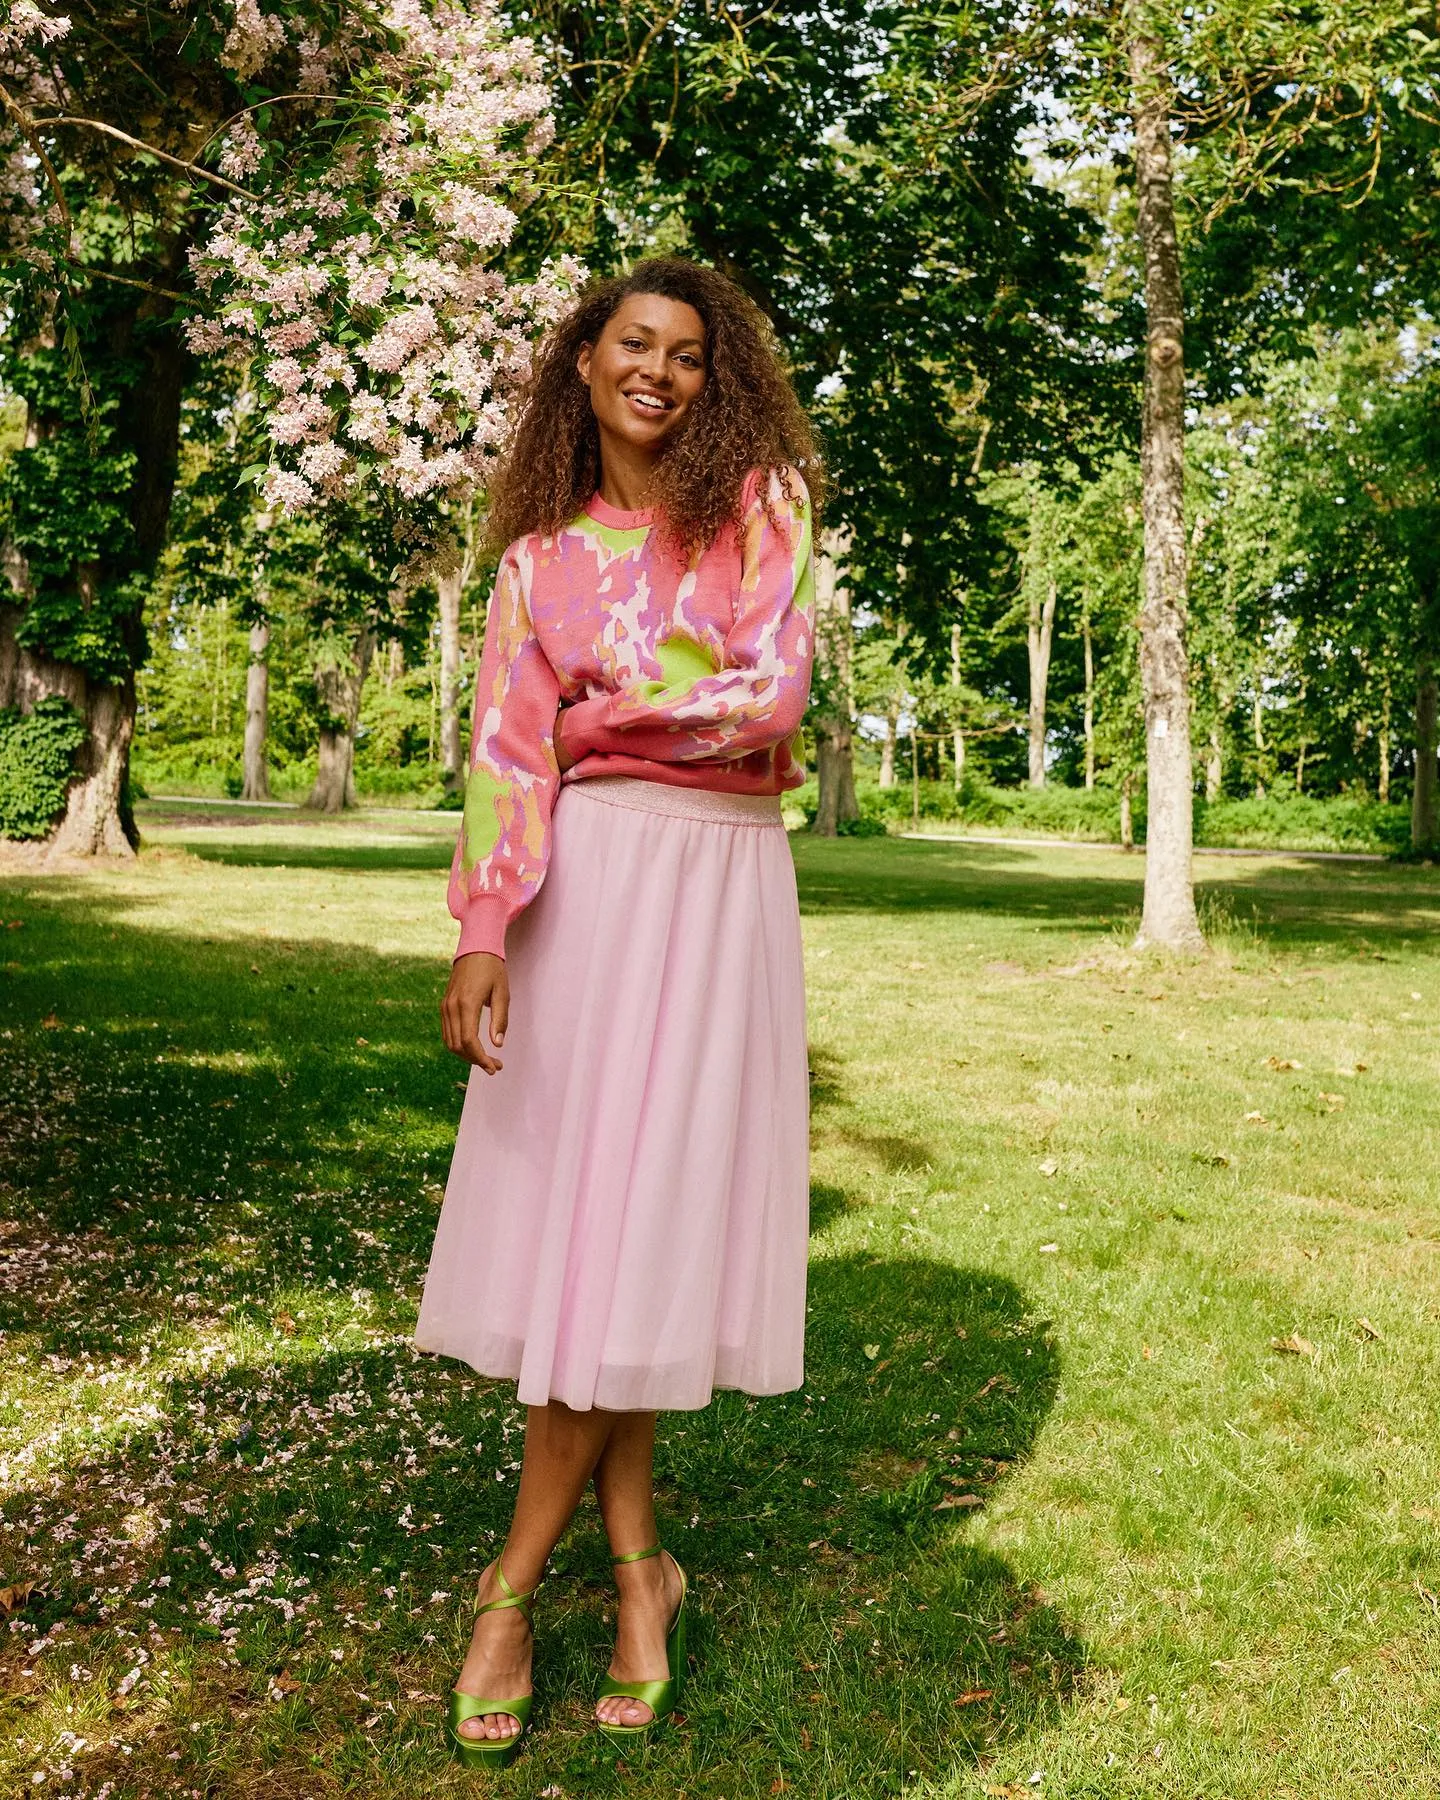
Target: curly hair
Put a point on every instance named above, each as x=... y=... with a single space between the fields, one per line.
x=745 y=417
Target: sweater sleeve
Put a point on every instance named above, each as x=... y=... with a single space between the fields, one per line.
x=756 y=696
x=510 y=793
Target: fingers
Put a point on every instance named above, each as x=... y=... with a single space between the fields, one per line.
x=475 y=982
x=499 y=1007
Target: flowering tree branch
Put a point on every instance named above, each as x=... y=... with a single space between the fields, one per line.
x=175 y=162
x=32 y=138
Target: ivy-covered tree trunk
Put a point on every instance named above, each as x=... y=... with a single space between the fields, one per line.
x=89 y=503
x=339 y=684
x=833 y=719
x=1168 y=920
x=257 y=716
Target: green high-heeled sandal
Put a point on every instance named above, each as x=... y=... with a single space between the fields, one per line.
x=662 y=1697
x=481 y=1753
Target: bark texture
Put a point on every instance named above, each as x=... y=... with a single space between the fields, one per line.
x=257 y=716
x=834 y=717
x=1039 y=636
x=1089 y=640
x=1168 y=920
x=958 y=736
x=339 y=685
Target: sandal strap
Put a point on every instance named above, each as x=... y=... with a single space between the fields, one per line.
x=511 y=1598
x=632 y=1556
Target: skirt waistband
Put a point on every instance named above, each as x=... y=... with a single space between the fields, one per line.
x=703 y=804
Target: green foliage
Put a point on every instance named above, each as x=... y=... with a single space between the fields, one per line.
x=37 y=751
x=67 y=502
x=1303 y=822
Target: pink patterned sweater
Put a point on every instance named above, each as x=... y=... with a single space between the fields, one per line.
x=695 y=675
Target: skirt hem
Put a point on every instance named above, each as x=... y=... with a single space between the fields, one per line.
x=513 y=1374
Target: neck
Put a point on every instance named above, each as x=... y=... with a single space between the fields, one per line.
x=625 y=473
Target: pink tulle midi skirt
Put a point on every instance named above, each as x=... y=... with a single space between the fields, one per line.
x=626 y=1220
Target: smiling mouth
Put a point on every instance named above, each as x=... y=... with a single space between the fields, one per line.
x=654 y=404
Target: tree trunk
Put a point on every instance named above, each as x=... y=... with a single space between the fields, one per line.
x=958 y=740
x=257 y=716
x=1039 y=634
x=450 y=587
x=887 y=748
x=834 y=724
x=1383 y=785
x=1257 y=720
x=1089 y=640
x=1127 y=812
x=914 y=777
x=339 y=687
x=97 y=820
x=1214 y=763
x=1169 y=919
x=1425 y=800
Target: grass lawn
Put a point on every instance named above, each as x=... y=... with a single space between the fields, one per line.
x=1117 y=1473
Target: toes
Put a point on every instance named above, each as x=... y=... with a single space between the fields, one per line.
x=489 y=1727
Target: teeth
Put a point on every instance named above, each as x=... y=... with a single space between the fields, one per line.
x=650 y=402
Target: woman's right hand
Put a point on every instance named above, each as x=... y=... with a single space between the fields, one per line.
x=477 y=981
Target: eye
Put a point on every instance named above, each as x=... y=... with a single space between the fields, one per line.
x=632 y=343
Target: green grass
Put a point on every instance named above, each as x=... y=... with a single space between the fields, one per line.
x=1064 y=1202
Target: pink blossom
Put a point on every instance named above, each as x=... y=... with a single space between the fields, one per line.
x=294 y=334
x=291 y=493
x=390 y=354
x=399 y=338
x=320 y=460
x=285 y=374
x=252 y=40
x=368 y=287
x=243 y=152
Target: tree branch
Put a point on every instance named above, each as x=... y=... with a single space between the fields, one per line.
x=175 y=162
x=31 y=136
x=146 y=287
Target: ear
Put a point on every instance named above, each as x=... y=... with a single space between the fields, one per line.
x=582 y=362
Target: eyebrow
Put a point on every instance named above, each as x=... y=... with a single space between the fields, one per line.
x=679 y=344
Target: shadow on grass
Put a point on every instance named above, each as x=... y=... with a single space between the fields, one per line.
x=377 y=859
x=1293 y=907
x=307 y=1498
x=231 y=1174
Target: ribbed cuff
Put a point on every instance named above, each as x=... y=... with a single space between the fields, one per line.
x=483 y=926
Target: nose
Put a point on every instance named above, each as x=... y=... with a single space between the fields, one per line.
x=655 y=368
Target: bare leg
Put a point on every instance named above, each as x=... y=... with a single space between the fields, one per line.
x=650 y=1590
x=561 y=1450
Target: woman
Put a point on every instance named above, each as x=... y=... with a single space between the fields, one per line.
x=625 y=1225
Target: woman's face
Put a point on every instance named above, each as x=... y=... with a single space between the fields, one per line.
x=645 y=371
